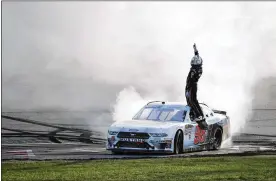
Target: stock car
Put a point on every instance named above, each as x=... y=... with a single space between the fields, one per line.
x=167 y=127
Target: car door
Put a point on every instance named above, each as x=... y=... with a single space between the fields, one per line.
x=194 y=136
x=189 y=132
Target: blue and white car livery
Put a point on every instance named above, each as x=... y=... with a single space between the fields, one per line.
x=167 y=127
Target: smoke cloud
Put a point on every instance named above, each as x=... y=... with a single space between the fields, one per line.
x=80 y=55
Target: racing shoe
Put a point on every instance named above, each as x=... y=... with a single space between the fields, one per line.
x=201 y=123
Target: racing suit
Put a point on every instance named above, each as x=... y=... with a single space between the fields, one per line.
x=191 y=86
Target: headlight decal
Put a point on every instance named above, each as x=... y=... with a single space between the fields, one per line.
x=158 y=134
x=112 y=132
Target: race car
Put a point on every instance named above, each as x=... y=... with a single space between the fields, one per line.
x=167 y=127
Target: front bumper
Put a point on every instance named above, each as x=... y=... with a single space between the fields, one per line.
x=128 y=150
x=150 y=144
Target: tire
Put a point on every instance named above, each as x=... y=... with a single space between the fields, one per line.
x=216 y=139
x=178 y=143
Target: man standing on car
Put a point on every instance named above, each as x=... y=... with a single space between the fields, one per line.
x=191 y=89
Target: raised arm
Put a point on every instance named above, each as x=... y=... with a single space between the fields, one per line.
x=196 y=60
x=195 y=50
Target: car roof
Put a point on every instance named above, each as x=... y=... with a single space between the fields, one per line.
x=167 y=105
x=171 y=104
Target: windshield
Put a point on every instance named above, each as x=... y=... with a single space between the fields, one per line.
x=161 y=114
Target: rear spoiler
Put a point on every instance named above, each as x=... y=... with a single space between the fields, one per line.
x=219 y=112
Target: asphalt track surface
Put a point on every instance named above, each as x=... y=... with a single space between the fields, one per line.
x=48 y=151
x=243 y=145
x=26 y=147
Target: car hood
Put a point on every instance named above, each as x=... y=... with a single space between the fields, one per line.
x=144 y=124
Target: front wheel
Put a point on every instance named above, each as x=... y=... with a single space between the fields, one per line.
x=178 y=142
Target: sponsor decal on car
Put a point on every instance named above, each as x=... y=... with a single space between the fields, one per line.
x=200 y=136
x=132 y=139
x=132 y=134
x=161 y=141
x=193 y=149
x=188 y=126
x=188 y=129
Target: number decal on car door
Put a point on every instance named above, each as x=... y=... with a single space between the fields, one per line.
x=199 y=135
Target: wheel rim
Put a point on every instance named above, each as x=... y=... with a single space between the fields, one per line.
x=217 y=140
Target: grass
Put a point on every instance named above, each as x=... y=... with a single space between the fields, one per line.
x=218 y=168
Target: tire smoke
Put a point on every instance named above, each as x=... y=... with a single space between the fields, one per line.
x=78 y=55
